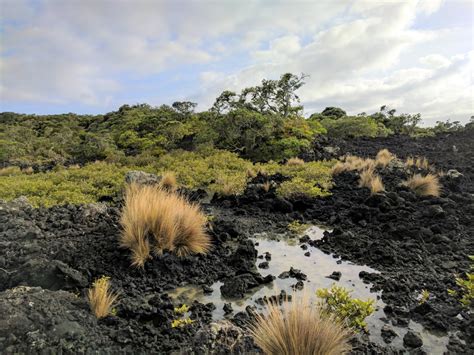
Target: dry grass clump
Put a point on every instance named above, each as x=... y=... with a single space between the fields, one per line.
x=372 y=181
x=383 y=157
x=266 y=186
x=28 y=171
x=427 y=185
x=168 y=181
x=351 y=163
x=101 y=299
x=419 y=162
x=154 y=216
x=295 y=162
x=299 y=327
x=251 y=173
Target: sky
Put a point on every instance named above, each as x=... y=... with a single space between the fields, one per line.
x=92 y=56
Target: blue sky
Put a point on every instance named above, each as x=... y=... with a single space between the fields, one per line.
x=92 y=56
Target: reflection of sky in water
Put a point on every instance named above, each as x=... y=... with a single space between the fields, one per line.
x=287 y=253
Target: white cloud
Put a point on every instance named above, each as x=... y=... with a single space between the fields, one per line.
x=359 y=54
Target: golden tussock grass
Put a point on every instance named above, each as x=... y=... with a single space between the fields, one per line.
x=295 y=162
x=101 y=299
x=155 y=218
x=251 y=173
x=427 y=185
x=168 y=181
x=299 y=327
x=352 y=163
x=28 y=171
x=371 y=180
x=419 y=162
x=266 y=186
x=383 y=158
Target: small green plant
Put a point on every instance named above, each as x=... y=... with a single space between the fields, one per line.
x=466 y=295
x=183 y=319
x=352 y=311
x=181 y=322
x=297 y=227
x=424 y=296
x=181 y=310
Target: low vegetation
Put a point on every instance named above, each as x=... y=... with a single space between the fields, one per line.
x=427 y=185
x=155 y=218
x=295 y=161
x=383 y=158
x=419 y=162
x=466 y=286
x=298 y=327
x=371 y=180
x=352 y=311
x=101 y=298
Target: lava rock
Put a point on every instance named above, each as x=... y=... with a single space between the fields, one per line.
x=263 y=265
x=388 y=334
x=141 y=177
x=412 y=339
x=336 y=275
x=227 y=308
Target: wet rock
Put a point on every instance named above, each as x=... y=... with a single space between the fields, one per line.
x=284 y=275
x=268 y=256
x=388 y=334
x=263 y=265
x=307 y=253
x=295 y=273
x=336 y=275
x=237 y=286
x=412 y=339
x=305 y=239
x=141 y=177
x=207 y=289
x=244 y=257
x=298 y=286
x=274 y=299
x=227 y=308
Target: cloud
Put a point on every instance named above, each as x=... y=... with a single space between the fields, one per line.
x=359 y=54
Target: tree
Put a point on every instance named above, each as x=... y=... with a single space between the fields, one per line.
x=184 y=108
x=334 y=112
x=271 y=97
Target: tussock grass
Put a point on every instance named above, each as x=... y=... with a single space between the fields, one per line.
x=427 y=185
x=28 y=171
x=168 y=181
x=266 y=186
x=352 y=163
x=383 y=158
x=295 y=162
x=299 y=327
x=371 y=180
x=154 y=216
x=419 y=162
x=101 y=299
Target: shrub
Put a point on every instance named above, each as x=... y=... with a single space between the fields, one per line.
x=101 y=299
x=299 y=187
x=84 y=185
x=10 y=170
x=174 y=223
x=427 y=185
x=295 y=161
x=337 y=300
x=299 y=328
x=354 y=127
x=383 y=158
x=371 y=180
x=297 y=227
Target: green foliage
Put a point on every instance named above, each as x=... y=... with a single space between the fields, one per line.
x=275 y=97
x=358 y=126
x=333 y=112
x=404 y=123
x=353 y=311
x=84 y=185
x=466 y=294
x=424 y=296
x=313 y=179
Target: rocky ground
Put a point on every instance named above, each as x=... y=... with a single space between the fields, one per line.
x=49 y=257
